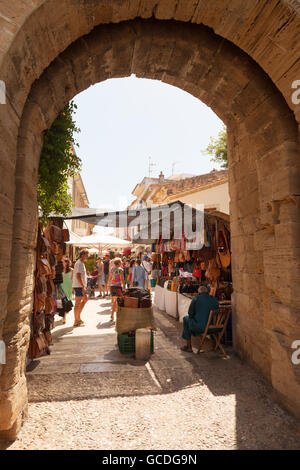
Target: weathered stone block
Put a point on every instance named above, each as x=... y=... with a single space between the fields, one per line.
x=12 y=403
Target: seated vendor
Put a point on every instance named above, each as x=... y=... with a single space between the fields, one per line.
x=195 y=322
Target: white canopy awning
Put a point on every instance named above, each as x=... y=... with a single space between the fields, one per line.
x=74 y=238
x=100 y=241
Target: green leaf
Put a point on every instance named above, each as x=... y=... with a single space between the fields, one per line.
x=217 y=148
x=58 y=163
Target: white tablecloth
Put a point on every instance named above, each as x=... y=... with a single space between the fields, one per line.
x=159 y=297
x=183 y=306
x=171 y=303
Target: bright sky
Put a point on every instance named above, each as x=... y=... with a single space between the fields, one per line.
x=124 y=121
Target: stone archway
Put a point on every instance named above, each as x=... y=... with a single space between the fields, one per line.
x=264 y=169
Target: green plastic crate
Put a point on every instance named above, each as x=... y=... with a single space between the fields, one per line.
x=127 y=343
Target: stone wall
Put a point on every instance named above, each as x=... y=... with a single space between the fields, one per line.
x=263 y=135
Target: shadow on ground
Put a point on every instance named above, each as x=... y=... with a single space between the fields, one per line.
x=101 y=372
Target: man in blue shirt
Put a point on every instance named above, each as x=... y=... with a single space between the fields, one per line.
x=195 y=322
x=138 y=275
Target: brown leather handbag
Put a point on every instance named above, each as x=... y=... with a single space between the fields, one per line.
x=56 y=234
x=212 y=272
x=50 y=287
x=48 y=337
x=43 y=245
x=224 y=255
x=37 y=346
x=49 y=305
x=66 y=235
x=39 y=286
x=60 y=254
x=54 y=247
x=40 y=300
x=52 y=259
x=44 y=267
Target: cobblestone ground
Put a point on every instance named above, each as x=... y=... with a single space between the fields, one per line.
x=85 y=395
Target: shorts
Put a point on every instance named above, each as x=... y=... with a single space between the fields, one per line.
x=78 y=291
x=101 y=279
x=116 y=291
x=106 y=276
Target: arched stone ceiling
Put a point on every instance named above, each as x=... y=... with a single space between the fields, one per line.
x=34 y=32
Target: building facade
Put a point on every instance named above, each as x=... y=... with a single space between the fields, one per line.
x=79 y=199
x=210 y=190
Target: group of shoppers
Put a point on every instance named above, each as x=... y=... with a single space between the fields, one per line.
x=116 y=274
x=136 y=272
x=112 y=274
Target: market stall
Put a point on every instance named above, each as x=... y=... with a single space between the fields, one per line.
x=182 y=271
x=206 y=259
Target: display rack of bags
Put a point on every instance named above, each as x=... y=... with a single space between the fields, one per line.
x=48 y=274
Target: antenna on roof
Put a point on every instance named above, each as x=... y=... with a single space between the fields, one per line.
x=173 y=167
x=151 y=165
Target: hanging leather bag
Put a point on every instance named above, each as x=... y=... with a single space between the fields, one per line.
x=43 y=245
x=56 y=234
x=66 y=235
x=213 y=272
x=52 y=259
x=54 y=247
x=37 y=346
x=224 y=255
x=44 y=267
x=49 y=305
x=197 y=271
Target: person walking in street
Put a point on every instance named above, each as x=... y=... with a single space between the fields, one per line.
x=131 y=268
x=106 y=274
x=147 y=267
x=80 y=285
x=101 y=278
x=67 y=284
x=126 y=273
x=116 y=282
x=139 y=275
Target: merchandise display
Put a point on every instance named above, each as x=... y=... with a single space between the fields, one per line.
x=48 y=295
x=183 y=271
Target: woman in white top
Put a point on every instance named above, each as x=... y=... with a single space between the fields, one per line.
x=146 y=264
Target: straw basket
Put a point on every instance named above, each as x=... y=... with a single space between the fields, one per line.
x=131 y=319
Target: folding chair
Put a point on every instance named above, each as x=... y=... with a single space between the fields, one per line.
x=215 y=327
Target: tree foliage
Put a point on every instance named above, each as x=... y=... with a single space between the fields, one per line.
x=217 y=148
x=58 y=163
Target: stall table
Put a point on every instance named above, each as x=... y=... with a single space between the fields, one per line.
x=171 y=302
x=184 y=301
x=159 y=297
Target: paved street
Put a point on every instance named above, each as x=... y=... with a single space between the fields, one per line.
x=86 y=395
